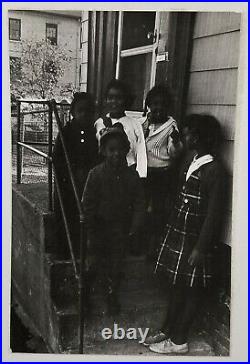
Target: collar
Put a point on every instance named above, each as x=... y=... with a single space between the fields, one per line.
x=197 y=163
x=167 y=125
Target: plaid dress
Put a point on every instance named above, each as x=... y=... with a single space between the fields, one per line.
x=182 y=234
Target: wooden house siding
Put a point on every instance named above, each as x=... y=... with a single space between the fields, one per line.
x=213 y=81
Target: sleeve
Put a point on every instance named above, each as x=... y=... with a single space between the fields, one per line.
x=139 y=207
x=215 y=187
x=99 y=125
x=58 y=158
x=90 y=201
x=175 y=145
x=141 y=153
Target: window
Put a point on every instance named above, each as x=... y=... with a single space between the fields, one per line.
x=138 y=35
x=15 y=68
x=14 y=29
x=51 y=33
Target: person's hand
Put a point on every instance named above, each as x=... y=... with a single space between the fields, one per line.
x=195 y=257
x=175 y=135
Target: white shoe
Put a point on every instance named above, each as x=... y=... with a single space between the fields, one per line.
x=155 y=338
x=168 y=347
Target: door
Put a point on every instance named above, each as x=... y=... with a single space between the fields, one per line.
x=138 y=35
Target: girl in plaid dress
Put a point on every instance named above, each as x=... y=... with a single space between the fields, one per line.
x=185 y=257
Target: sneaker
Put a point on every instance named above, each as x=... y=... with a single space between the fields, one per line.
x=156 y=338
x=168 y=347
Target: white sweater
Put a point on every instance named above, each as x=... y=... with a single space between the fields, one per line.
x=137 y=154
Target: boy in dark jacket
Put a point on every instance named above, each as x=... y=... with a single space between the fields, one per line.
x=114 y=207
x=82 y=148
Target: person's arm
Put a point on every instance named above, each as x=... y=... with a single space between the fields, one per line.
x=58 y=158
x=99 y=125
x=175 y=145
x=141 y=152
x=215 y=186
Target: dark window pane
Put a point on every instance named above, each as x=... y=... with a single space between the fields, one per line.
x=138 y=29
x=51 y=33
x=14 y=29
x=136 y=71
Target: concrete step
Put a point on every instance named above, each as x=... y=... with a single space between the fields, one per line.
x=137 y=277
x=139 y=296
x=68 y=320
x=198 y=346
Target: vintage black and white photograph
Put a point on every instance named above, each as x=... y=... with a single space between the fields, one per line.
x=123 y=139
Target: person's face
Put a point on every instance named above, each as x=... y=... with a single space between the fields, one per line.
x=114 y=152
x=115 y=101
x=158 y=109
x=82 y=114
x=189 y=139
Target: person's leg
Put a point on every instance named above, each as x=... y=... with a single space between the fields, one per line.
x=175 y=306
x=60 y=248
x=115 y=254
x=187 y=315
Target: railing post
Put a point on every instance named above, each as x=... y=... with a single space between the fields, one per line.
x=82 y=285
x=19 y=148
x=50 y=171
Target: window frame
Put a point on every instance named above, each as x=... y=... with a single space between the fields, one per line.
x=54 y=26
x=152 y=48
x=19 y=21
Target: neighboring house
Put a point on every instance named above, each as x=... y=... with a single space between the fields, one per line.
x=60 y=27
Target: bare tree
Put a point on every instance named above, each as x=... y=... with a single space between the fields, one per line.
x=39 y=71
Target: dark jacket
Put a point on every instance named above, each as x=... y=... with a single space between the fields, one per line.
x=83 y=155
x=113 y=197
x=214 y=190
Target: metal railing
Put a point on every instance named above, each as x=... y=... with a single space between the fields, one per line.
x=79 y=273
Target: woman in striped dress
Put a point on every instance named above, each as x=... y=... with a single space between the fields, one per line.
x=186 y=254
x=163 y=148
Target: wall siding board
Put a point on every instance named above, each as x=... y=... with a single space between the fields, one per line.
x=225 y=114
x=215 y=23
x=213 y=87
x=220 y=51
x=227 y=228
x=227 y=155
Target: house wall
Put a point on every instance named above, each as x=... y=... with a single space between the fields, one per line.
x=33 y=26
x=213 y=81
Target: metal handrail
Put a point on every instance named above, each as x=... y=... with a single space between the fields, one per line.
x=66 y=154
x=37 y=151
x=82 y=285
x=66 y=226
x=52 y=105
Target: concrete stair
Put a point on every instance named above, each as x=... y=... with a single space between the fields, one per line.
x=143 y=305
